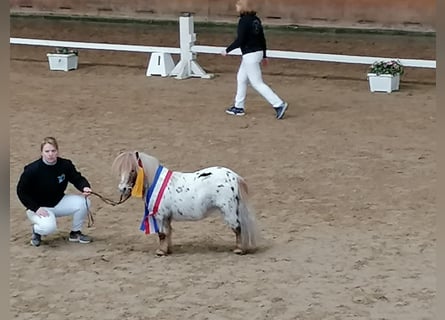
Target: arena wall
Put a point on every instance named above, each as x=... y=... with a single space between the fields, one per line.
x=380 y=14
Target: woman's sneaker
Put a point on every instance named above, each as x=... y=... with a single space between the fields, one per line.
x=235 y=111
x=36 y=239
x=77 y=236
x=281 y=110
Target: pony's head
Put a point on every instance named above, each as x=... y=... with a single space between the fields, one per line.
x=125 y=166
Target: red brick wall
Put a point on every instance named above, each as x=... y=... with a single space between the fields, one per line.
x=400 y=14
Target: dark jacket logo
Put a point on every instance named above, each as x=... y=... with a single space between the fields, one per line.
x=256 y=27
x=61 y=178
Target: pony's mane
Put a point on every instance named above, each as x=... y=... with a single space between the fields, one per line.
x=124 y=162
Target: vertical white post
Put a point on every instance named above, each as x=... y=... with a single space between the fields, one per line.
x=187 y=66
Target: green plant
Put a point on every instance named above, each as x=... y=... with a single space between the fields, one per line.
x=65 y=50
x=392 y=67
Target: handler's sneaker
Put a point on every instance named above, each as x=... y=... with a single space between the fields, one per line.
x=35 y=239
x=235 y=111
x=77 y=236
x=281 y=110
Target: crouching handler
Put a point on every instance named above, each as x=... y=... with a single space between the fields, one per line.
x=41 y=189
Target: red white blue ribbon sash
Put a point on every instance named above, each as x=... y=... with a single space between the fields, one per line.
x=153 y=200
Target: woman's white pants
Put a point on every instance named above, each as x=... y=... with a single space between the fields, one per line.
x=70 y=205
x=250 y=71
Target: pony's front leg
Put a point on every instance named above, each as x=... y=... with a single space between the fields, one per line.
x=163 y=244
x=164 y=238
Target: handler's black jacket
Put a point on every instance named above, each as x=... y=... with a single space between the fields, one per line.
x=42 y=185
x=250 y=35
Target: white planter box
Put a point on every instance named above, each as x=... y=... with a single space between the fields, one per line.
x=383 y=82
x=60 y=61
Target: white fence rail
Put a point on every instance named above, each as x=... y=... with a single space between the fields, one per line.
x=324 y=57
x=91 y=45
x=216 y=50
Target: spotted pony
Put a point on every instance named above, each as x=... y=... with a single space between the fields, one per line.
x=188 y=196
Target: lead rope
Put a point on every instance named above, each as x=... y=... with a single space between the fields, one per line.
x=104 y=199
x=108 y=200
x=90 y=214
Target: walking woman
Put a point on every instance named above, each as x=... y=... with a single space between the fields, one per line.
x=252 y=43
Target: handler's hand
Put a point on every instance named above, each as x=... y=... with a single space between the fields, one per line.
x=265 y=62
x=86 y=191
x=42 y=212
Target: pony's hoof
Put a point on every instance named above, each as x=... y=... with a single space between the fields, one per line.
x=239 y=251
x=160 y=253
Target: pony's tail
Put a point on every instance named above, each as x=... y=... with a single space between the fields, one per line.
x=249 y=229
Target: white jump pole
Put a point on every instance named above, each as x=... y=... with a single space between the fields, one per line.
x=188 y=66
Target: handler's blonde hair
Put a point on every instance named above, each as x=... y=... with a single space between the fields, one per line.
x=245 y=6
x=49 y=140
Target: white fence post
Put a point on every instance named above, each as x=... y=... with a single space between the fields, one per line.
x=160 y=63
x=187 y=66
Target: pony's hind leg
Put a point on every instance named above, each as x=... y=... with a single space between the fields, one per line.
x=238 y=249
x=231 y=218
x=229 y=205
x=169 y=236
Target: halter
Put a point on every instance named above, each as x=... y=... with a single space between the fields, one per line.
x=132 y=179
x=138 y=159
